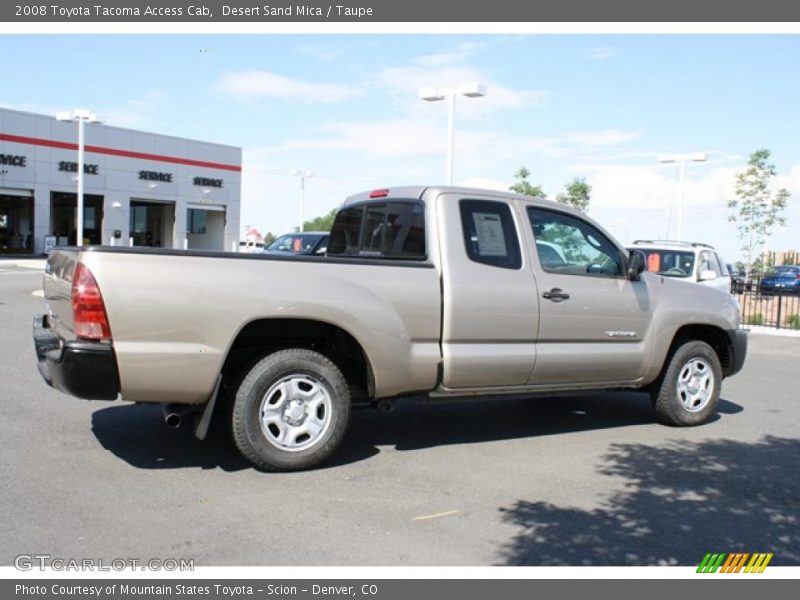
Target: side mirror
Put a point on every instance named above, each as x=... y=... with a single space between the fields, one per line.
x=708 y=275
x=321 y=251
x=636 y=264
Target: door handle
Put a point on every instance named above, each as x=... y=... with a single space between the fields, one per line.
x=556 y=295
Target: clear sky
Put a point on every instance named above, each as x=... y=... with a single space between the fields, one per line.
x=345 y=107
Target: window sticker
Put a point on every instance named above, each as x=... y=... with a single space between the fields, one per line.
x=489 y=229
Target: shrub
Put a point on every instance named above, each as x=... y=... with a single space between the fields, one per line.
x=793 y=321
x=755 y=319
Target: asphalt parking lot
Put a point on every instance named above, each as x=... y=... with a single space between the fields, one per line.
x=577 y=481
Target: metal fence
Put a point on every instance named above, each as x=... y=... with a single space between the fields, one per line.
x=778 y=310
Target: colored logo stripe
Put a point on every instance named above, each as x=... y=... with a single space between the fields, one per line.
x=758 y=563
x=711 y=562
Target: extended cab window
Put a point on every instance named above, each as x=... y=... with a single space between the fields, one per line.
x=389 y=230
x=489 y=233
x=566 y=244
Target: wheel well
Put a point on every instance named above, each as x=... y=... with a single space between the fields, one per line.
x=711 y=335
x=265 y=336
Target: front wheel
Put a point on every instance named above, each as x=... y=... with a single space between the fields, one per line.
x=689 y=390
x=291 y=410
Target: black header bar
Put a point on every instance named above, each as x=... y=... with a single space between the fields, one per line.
x=374 y=11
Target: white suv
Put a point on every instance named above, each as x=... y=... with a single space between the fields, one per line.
x=686 y=260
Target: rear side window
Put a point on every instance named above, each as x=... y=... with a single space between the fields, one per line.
x=346 y=232
x=490 y=236
x=390 y=230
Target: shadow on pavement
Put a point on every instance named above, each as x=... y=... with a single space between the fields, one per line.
x=680 y=501
x=137 y=434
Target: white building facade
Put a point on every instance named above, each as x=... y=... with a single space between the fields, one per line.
x=141 y=189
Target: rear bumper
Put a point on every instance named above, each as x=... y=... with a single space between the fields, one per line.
x=738 y=345
x=79 y=368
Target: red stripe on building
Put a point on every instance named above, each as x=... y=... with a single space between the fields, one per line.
x=21 y=139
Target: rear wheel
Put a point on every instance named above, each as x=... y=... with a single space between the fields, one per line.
x=688 y=392
x=291 y=410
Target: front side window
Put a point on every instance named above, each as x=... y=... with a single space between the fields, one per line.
x=490 y=236
x=669 y=263
x=709 y=262
x=568 y=245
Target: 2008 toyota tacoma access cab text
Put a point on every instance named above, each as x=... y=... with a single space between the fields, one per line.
x=437 y=290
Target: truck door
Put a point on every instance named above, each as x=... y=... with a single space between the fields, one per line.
x=593 y=319
x=490 y=303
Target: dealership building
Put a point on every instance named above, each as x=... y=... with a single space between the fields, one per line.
x=141 y=189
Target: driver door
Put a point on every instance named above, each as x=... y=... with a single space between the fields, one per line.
x=593 y=319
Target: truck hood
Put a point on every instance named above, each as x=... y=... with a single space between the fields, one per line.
x=705 y=304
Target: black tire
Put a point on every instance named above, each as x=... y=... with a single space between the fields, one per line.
x=265 y=390
x=670 y=398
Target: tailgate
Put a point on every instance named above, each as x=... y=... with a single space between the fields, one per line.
x=58 y=290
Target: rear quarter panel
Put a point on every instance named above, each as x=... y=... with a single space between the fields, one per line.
x=174 y=317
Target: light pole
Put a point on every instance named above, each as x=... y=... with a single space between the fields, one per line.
x=681 y=159
x=470 y=90
x=81 y=116
x=302 y=175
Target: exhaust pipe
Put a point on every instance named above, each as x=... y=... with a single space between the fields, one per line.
x=174 y=414
x=384 y=406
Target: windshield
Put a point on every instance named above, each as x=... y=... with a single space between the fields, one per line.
x=787 y=271
x=670 y=263
x=294 y=242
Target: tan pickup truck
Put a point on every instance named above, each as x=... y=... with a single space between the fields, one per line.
x=437 y=290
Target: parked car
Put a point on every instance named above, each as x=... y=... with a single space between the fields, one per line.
x=784 y=279
x=691 y=261
x=443 y=291
x=308 y=242
x=740 y=281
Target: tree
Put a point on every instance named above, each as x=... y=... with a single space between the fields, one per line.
x=269 y=237
x=756 y=208
x=578 y=194
x=322 y=223
x=523 y=186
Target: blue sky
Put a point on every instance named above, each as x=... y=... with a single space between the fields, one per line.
x=345 y=107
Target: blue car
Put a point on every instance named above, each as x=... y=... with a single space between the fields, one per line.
x=784 y=280
x=308 y=242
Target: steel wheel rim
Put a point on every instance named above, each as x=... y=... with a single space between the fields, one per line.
x=695 y=384
x=296 y=412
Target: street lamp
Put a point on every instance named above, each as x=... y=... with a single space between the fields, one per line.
x=470 y=90
x=681 y=159
x=80 y=116
x=303 y=175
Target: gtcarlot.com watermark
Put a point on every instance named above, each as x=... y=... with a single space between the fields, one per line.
x=43 y=562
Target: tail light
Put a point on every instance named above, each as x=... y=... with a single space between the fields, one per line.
x=88 y=310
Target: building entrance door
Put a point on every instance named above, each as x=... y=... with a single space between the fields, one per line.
x=16 y=222
x=152 y=223
x=63 y=218
x=205 y=227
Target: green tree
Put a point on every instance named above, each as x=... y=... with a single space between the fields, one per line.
x=757 y=208
x=523 y=186
x=321 y=223
x=269 y=237
x=578 y=194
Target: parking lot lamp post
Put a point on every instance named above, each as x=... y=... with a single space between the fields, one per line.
x=81 y=116
x=681 y=159
x=302 y=175
x=470 y=90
